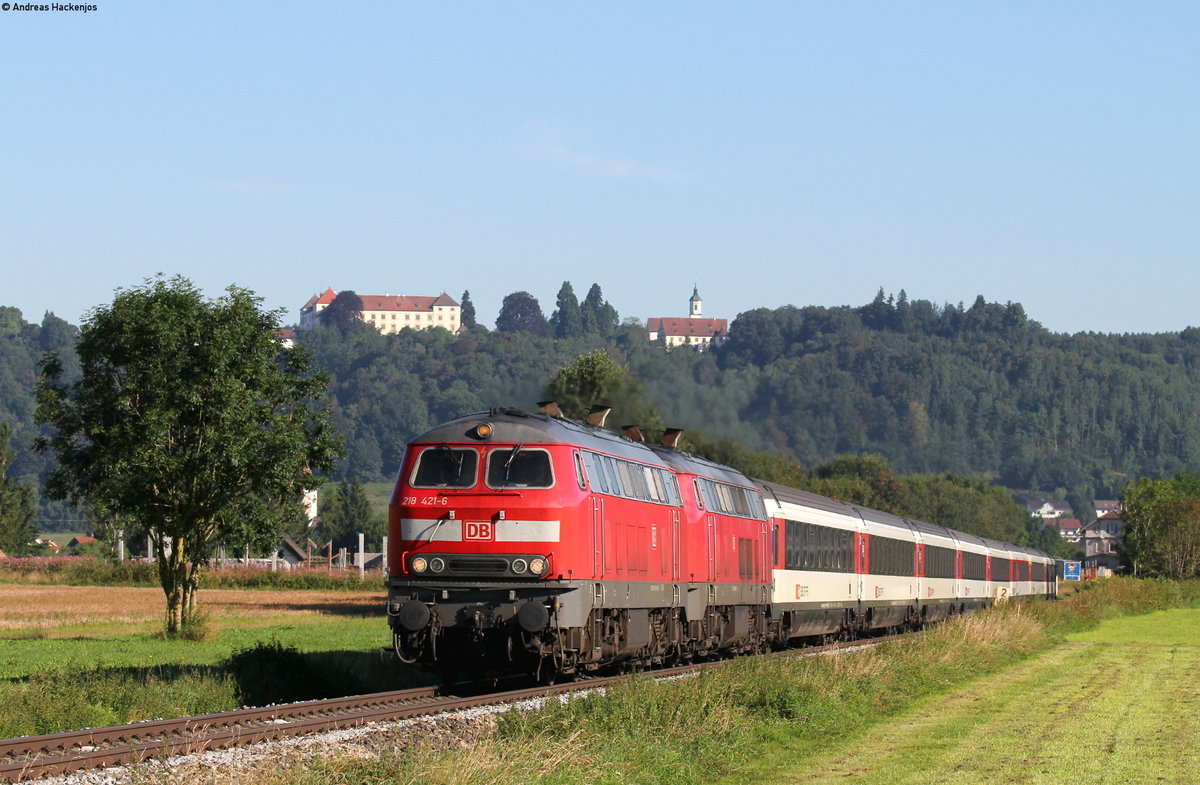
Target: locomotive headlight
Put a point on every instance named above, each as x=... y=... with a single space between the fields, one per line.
x=418 y=564
x=483 y=430
x=519 y=566
x=437 y=565
x=537 y=565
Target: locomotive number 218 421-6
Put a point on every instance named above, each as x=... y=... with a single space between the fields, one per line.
x=425 y=501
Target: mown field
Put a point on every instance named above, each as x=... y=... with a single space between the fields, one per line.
x=79 y=656
x=1118 y=704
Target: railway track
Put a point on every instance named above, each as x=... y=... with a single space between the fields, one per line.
x=36 y=757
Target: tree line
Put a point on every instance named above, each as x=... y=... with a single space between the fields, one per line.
x=979 y=391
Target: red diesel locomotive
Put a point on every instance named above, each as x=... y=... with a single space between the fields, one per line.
x=522 y=541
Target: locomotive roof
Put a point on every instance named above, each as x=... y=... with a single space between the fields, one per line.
x=518 y=426
x=521 y=427
x=683 y=461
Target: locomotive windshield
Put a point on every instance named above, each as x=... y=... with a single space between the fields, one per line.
x=445 y=467
x=519 y=467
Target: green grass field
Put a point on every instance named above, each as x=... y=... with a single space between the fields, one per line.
x=65 y=663
x=1119 y=704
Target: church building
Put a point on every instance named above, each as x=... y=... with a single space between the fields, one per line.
x=692 y=330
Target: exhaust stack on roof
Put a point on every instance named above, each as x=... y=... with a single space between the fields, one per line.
x=670 y=437
x=550 y=408
x=633 y=433
x=597 y=415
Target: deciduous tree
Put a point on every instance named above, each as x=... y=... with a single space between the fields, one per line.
x=16 y=503
x=190 y=421
x=1162 y=531
x=595 y=379
x=521 y=313
x=344 y=312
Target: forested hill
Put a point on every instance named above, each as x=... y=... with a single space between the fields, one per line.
x=980 y=390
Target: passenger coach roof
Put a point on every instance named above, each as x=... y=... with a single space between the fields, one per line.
x=883 y=518
x=931 y=528
x=785 y=495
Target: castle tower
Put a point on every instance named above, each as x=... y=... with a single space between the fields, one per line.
x=696 y=303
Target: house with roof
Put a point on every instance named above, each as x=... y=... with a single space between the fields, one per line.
x=1050 y=509
x=692 y=330
x=391 y=313
x=1103 y=539
x=1105 y=506
x=1070 y=529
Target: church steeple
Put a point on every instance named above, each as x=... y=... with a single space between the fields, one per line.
x=696 y=303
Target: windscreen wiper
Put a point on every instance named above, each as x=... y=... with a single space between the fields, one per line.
x=511 y=458
x=456 y=457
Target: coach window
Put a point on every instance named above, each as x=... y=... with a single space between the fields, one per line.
x=445 y=467
x=519 y=467
x=699 y=496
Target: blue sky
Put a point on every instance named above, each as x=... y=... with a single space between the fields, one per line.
x=775 y=153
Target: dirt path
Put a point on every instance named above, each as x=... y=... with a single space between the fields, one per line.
x=1119 y=705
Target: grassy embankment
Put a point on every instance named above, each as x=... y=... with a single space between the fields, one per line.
x=983 y=683
x=83 y=655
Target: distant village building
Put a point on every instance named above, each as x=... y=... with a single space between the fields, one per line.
x=391 y=313
x=1052 y=509
x=1102 y=542
x=1070 y=529
x=692 y=330
x=1105 y=506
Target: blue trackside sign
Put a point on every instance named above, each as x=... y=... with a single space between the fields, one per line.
x=1071 y=570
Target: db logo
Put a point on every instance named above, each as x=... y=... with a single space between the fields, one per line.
x=479 y=531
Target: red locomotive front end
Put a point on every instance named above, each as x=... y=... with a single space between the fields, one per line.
x=484 y=519
x=531 y=542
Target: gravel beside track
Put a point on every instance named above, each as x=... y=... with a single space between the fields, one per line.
x=228 y=747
